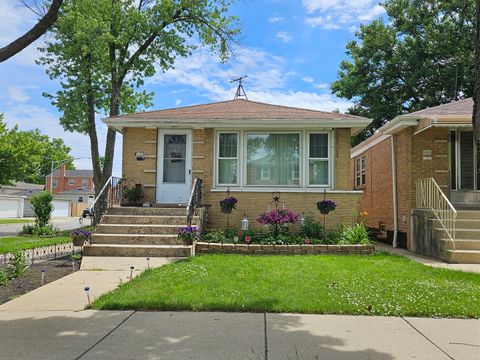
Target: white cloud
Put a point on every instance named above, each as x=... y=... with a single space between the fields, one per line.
x=340 y=14
x=284 y=36
x=308 y=79
x=322 y=86
x=268 y=79
x=178 y=102
x=275 y=19
x=17 y=94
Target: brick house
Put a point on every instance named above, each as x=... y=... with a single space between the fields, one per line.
x=247 y=147
x=69 y=180
x=406 y=161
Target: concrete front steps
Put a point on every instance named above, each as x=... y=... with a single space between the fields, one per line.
x=467 y=238
x=140 y=232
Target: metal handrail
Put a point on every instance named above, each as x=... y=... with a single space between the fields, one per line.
x=195 y=200
x=430 y=196
x=111 y=194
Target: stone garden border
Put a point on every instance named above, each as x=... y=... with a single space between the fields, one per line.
x=257 y=249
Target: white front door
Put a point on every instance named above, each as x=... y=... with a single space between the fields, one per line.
x=174 y=168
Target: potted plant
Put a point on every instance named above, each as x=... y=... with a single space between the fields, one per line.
x=325 y=206
x=133 y=195
x=79 y=236
x=188 y=234
x=228 y=204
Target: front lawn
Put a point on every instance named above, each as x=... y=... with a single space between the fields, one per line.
x=12 y=243
x=15 y=221
x=380 y=284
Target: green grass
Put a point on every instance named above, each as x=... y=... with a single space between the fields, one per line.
x=15 y=221
x=380 y=284
x=12 y=243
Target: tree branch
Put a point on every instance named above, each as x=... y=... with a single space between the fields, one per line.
x=33 y=34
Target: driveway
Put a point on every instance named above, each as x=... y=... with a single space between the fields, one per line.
x=67 y=223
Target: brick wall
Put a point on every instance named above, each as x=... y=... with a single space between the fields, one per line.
x=411 y=164
x=251 y=203
x=141 y=172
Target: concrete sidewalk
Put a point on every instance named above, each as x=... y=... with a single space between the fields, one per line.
x=427 y=260
x=243 y=336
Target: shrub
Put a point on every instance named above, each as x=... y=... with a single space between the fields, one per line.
x=47 y=230
x=278 y=220
x=18 y=264
x=311 y=228
x=28 y=229
x=357 y=234
x=133 y=194
x=220 y=236
x=42 y=207
x=3 y=277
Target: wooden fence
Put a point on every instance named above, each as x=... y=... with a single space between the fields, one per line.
x=76 y=209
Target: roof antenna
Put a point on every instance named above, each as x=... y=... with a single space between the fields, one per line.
x=240 y=90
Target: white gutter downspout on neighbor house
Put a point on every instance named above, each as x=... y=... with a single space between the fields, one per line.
x=394 y=191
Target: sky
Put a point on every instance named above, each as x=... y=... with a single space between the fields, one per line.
x=289 y=49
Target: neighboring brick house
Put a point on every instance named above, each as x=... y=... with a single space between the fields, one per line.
x=69 y=180
x=247 y=147
x=435 y=143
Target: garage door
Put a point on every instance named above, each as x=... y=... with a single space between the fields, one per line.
x=9 y=208
x=61 y=208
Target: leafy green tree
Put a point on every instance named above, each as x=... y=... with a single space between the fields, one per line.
x=42 y=207
x=102 y=50
x=28 y=155
x=422 y=56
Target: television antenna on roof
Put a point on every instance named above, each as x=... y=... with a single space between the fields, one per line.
x=240 y=90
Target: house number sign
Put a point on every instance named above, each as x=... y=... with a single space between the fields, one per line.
x=427 y=154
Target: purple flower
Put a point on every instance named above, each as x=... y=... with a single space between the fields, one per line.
x=187 y=230
x=278 y=217
x=81 y=233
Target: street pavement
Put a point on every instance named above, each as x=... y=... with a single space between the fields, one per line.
x=63 y=223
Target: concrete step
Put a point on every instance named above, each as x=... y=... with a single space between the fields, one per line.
x=463 y=256
x=136 y=239
x=460 y=233
x=137 y=229
x=137 y=250
x=147 y=220
x=460 y=244
x=460 y=223
x=152 y=211
x=468 y=214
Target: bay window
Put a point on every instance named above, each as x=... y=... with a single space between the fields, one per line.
x=228 y=159
x=294 y=159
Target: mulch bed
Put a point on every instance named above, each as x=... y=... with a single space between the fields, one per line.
x=54 y=269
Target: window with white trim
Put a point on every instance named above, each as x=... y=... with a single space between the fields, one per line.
x=227 y=166
x=71 y=182
x=318 y=159
x=84 y=183
x=54 y=183
x=272 y=159
x=360 y=171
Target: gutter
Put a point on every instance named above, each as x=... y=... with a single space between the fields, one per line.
x=394 y=191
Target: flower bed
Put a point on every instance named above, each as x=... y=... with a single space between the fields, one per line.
x=259 y=249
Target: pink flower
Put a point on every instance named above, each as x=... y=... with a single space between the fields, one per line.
x=307 y=241
x=248 y=239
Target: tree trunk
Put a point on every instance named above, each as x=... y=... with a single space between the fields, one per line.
x=476 y=88
x=33 y=34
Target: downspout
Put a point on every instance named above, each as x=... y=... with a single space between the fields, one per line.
x=394 y=192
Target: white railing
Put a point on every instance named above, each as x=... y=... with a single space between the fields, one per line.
x=110 y=195
x=430 y=196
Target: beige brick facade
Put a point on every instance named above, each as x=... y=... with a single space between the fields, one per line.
x=249 y=202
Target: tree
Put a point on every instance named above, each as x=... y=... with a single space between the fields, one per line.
x=102 y=50
x=422 y=56
x=40 y=28
x=28 y=155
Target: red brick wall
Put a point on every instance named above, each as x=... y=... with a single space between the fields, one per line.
x=63 y=182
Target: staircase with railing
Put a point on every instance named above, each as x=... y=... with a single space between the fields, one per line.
x=455 y=233
x=142 y=231
x=430 y=196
